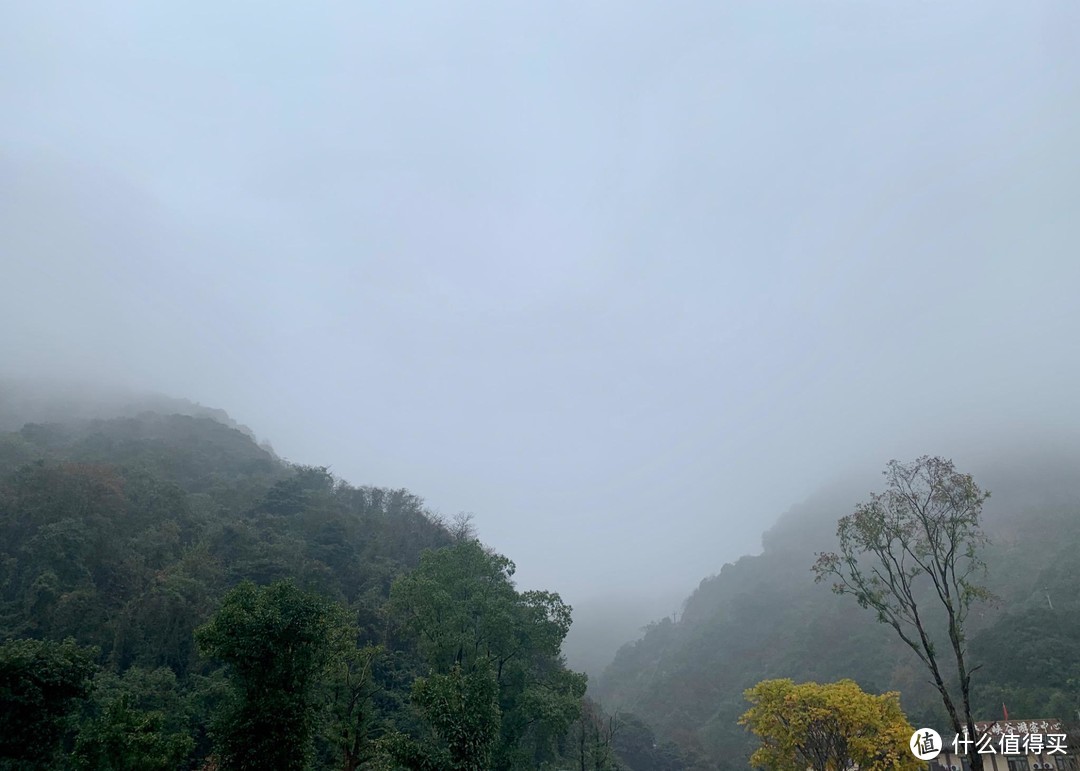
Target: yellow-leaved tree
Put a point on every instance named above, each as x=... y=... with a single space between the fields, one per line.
x=827 y=727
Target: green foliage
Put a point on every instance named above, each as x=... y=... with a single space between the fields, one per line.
x=130 y=534
x=462 y=710
x=279 y=643
x=637 y=748
x=351 y=691
x=462 y=607
x=139 y=722
x=1034 y=656
x=41 y=686
x=460 y=603
x=116 y=556
x=127 y=534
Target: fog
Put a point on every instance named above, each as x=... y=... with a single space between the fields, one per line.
x=623 y=280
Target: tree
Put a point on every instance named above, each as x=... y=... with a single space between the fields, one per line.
x=461 y=607
x=637 y=747
x=462 y=709
x=41 y=684
x=137 y=722
x=830 y=727
x=351 y=692
x=593 y=739
x=920 y=539
x=279 y=643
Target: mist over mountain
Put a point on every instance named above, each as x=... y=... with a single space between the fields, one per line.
x=53 y=400
x=639 y=274
x=763 y=616
x=639 y=297
x=1034 y=467
x=603 y=624
x=128 y=542
x=205 y=507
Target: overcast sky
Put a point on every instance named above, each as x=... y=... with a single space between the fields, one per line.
x=623 y=279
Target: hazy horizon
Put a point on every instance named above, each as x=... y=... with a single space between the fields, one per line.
x=626 y=282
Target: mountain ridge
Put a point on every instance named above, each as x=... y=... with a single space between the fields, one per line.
x=762 y=616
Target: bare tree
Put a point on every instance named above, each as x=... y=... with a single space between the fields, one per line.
x=912 y=554
x=596 y=738
x=462 y=528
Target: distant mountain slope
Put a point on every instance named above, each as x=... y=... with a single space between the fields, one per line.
x=763 y=617
x=603 y=624
x=27 y=400
x=194 y=452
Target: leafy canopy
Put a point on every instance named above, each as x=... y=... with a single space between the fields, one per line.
x=830 y=727
x=279 y=643
x=472 y=627
x=41 y=684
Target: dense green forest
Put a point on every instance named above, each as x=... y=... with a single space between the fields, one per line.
x=764 y=617
x=173 y=595
x=169 y=589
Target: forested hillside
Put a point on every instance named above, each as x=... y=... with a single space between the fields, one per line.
x=764 y=617
x=160 y=575
x=204 y=587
